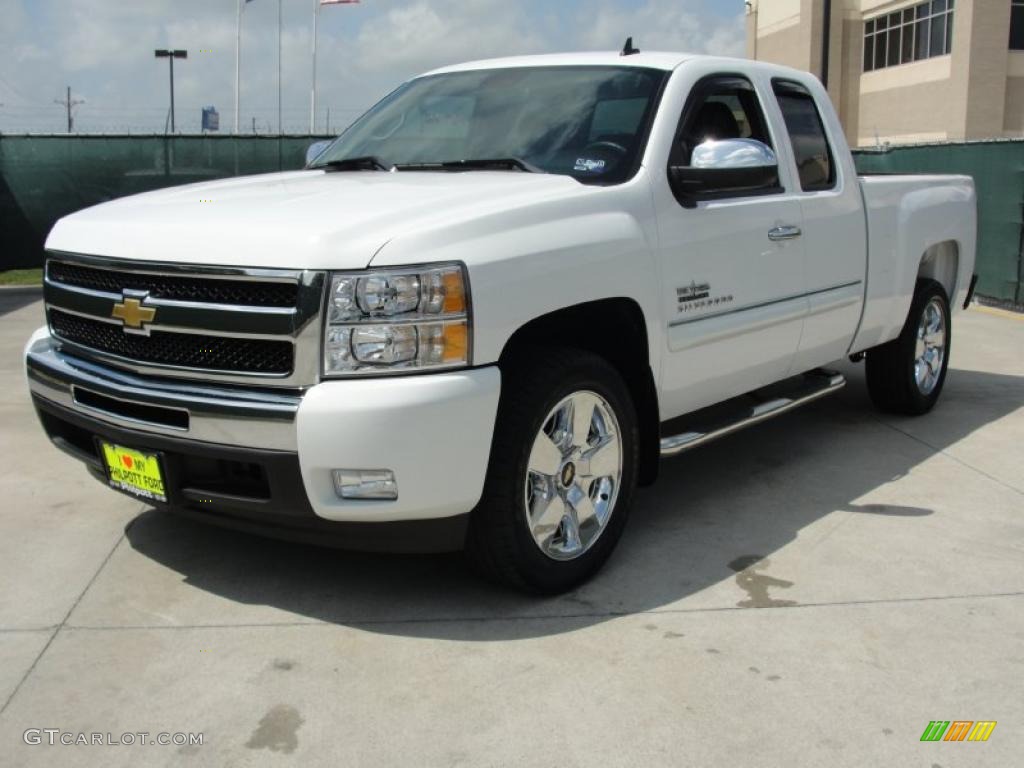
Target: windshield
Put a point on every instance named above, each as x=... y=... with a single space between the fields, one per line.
x=587 y=122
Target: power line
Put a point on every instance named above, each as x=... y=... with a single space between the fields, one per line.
x=17 y=91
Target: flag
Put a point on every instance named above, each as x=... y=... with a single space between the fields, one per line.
x=339 y=2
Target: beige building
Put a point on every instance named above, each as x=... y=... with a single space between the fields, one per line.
x=902 y=71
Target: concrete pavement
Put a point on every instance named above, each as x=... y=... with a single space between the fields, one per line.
x=810 y=592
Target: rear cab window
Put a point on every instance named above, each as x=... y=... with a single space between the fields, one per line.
x=815 y=161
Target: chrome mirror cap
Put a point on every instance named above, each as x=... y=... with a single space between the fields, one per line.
x=315 y=149
x=733 y=153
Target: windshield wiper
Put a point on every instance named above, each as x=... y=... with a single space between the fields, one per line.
x=365 y=163
x=482 y=164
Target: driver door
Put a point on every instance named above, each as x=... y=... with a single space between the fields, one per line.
x=732 y=266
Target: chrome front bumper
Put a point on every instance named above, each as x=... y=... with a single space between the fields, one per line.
x=232 y=456
x=434 y=432
x=189 y=410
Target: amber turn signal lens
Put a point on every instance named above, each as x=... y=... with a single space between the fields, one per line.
x=454 y=293
x=456 y=342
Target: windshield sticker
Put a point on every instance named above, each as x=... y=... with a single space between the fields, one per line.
x=591 y=166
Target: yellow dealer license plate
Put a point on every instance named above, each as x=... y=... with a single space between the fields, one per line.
x=133 y=471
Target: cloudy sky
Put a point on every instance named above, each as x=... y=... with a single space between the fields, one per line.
x=103 y=49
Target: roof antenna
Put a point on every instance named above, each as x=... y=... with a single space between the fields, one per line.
x=628 y=49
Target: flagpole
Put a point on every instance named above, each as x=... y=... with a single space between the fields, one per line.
x=312 y=95
x=278 y=67
x=238 y=59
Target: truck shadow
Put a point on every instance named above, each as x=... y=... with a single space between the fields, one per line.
x=714 y=516
x=13 y=299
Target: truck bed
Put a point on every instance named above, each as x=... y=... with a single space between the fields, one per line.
x=905 y=213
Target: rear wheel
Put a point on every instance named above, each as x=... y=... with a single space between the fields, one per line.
x=562 y=471
x=906 y=375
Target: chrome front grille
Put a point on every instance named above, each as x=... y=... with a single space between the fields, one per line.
x=177 y=287
x=210 y=323
x=187 y=350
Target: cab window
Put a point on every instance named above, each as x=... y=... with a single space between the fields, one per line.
x=811 y=151
x=721 y=107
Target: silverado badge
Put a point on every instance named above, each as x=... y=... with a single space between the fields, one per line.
x=697 y=296
x=693 y=292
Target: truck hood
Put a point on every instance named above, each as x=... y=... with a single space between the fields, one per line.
x=300 y=219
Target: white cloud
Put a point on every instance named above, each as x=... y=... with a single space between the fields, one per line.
x=665 y=25
x=104 y=48
x=423 y=35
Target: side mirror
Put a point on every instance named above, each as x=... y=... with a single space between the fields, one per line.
x=728 y=168
x=315 y=149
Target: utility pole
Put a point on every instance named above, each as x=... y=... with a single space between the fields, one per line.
x=69 y=104
x=171 y=55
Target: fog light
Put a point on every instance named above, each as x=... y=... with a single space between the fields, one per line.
x=373 y=484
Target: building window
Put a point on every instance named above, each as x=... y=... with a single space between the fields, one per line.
x=920 y=32
x=1017 y=26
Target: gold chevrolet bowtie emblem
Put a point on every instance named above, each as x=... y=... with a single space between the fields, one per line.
x=132 y=313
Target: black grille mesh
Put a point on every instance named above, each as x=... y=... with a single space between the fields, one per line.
x=211 y=290
x=177 y=349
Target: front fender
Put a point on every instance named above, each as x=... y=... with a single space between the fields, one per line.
x=539 y=258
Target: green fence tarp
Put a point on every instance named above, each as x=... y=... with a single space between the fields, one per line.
x=998 y=171
x=45 y=177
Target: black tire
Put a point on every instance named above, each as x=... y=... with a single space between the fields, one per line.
x=499 y=543
x=890 y=370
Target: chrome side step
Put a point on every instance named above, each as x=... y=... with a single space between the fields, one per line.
x=815 y=385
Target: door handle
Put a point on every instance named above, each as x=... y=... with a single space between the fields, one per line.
x=788 y=232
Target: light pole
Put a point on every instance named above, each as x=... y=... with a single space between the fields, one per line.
x=171 y=55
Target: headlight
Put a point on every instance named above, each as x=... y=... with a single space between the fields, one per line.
x=392 y=321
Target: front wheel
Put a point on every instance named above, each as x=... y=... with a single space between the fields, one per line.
x=562 y=471
x=906 y=374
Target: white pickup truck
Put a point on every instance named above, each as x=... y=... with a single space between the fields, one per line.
x=481 y=316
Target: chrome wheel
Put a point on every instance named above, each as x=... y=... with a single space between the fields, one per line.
x=930 y=352
x=573 y=475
